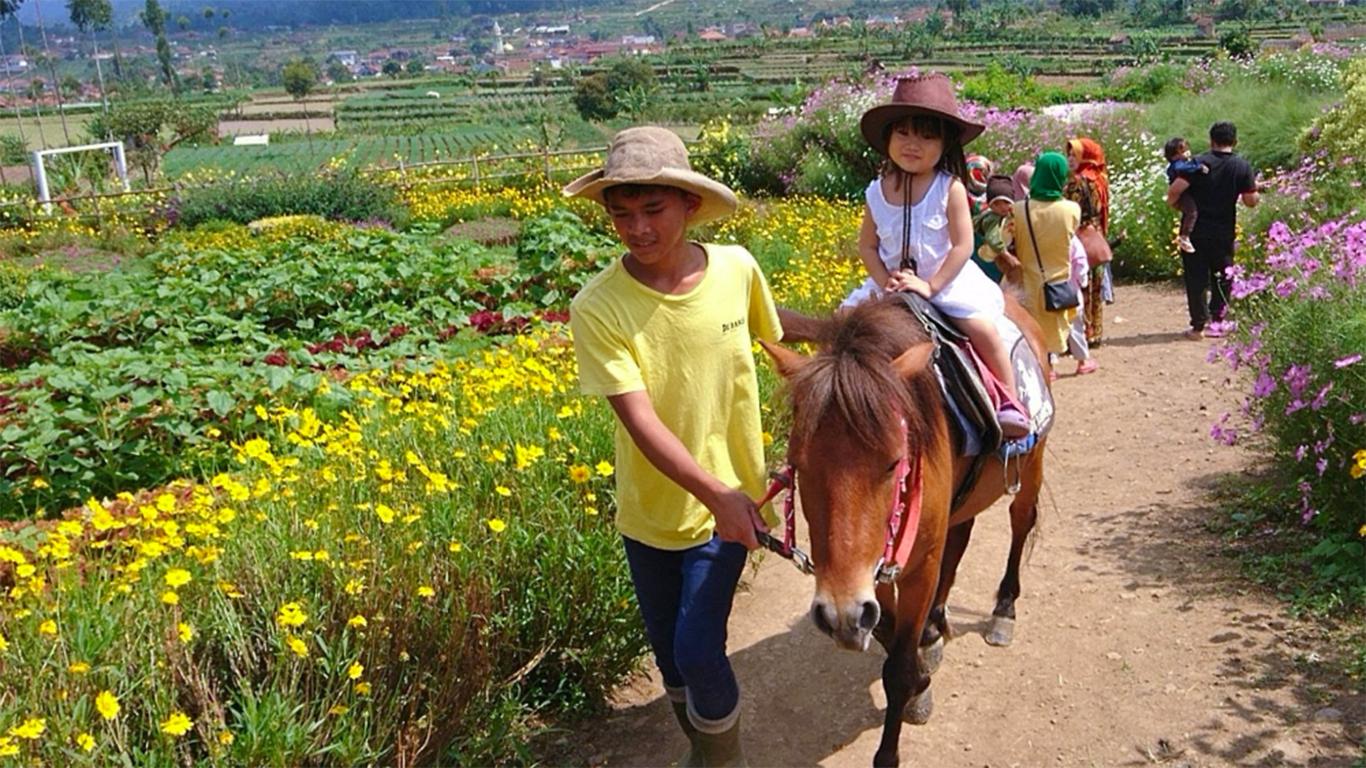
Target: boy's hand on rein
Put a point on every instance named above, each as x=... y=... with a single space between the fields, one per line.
x=737 y=518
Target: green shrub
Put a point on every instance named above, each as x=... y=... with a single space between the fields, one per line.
x=1338 y=132
x=1270 y=117
x=556 y=254
x=1301 y=332
x=344 y=195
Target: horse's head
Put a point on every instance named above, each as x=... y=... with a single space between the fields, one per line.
x=856 y=408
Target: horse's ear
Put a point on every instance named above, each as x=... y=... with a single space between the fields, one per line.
x=913 y=360
x=787 y=361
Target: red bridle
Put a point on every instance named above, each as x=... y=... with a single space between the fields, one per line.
x=903 y=522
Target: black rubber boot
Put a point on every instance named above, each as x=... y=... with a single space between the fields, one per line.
x=693 y=757
x=722 y=750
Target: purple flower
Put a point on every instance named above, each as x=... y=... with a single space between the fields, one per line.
x=1301 y=452
x=1264 y=385
x=1343 y=362
x=1297 y=379
x=1321 y=397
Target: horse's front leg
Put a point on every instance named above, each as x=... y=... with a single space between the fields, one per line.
x=937 y=629
x=903 y=679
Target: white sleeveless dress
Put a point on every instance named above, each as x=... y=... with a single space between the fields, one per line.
x=970 y=294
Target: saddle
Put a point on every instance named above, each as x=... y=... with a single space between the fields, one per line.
x=960 y=373
x=972 y=393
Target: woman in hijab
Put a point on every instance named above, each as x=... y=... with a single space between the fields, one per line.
x=1019 y=182
x=1089 y=187
x=979 y=171
x=1053 y=220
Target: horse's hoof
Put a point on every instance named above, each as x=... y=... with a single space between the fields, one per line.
x=931 y=656
x=1002 y=631
x=921 y=707
x=881 y=760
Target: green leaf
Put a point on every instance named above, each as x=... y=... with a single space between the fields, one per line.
x=221 y=402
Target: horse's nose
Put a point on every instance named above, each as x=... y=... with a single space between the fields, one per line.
x=823 y=616
x=849 y=625
x=869 y=615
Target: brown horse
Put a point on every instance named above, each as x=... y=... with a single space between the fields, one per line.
x=864 y=410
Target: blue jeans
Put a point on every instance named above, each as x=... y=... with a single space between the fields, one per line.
x=685 y=598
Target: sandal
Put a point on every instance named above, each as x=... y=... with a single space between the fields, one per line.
x=1193 y=334
x=1087 y=366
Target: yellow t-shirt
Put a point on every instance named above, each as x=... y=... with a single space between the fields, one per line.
x=693 y=354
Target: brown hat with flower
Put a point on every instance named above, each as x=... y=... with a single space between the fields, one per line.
x=656 y=156
x=930 y=94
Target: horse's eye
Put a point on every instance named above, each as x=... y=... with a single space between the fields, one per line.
x=892 y=467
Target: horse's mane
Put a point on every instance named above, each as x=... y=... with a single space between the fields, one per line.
x=852 y=376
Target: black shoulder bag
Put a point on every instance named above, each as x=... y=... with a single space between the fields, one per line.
x=1056 y=296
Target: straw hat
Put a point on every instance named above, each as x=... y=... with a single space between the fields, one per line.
x=930 y=94
x=652 y=155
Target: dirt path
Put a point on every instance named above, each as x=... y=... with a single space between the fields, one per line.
x=1137 y=643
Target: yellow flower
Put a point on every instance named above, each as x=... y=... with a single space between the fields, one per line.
x=356 y=622
x=503 y=490
x=425 y=591
x=7 y=747
x=454 y=547
x=290 y=615
x=362 y=688
x=604 y=468
x=185 y=631
x=580 y=473
x=78 y=667
x=497 y=526
x=297 y=646
x=85 y=741
x=338 y=710
x=354 y=671
x=31 y=728
x=386 y=514
x=177 y=577
x=107 y=704
x=169 y=597
x=48 y=627
x=226 y=738
x=177 y=724
x=590 y=511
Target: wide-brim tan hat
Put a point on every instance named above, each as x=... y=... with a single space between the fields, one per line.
x=930 y=94
x=653 y=155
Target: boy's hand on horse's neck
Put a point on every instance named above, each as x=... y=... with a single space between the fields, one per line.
x=677 y=273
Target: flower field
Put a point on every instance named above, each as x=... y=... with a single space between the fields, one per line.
x=392 y=540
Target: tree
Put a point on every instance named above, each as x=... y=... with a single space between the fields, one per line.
x=154 y=19
x=627 y=73
x=1238 y=42
x=7 y=9
x=392 y=68
x=210 y=79
x=593 y=99
x=208 y=14
x=150 y=129
x=88 y=16
x=71 y=84
x=415 y=66
x=300 y=76
x=337 y=72
x=183 y=22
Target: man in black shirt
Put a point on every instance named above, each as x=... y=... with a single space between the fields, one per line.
x=1216 y=195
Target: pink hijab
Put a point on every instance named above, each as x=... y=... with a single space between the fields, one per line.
x=1020 y=181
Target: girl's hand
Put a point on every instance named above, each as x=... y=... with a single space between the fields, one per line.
x=907 y=281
